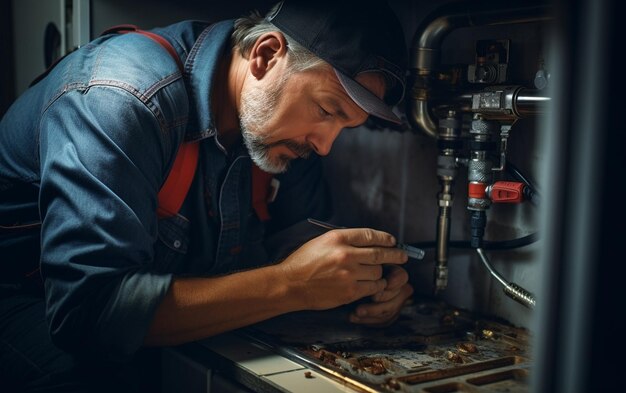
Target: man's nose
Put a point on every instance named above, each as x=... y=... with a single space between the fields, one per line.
x=322 y=140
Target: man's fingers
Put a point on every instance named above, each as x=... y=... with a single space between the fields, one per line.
x=369 y=273
x=375 y=321
x=379 y=309
x=385 y=308
x=385 y=295
x=365 y=246
x=396 y=277
x=368 y=288
x=363 y=237
x=378 y=255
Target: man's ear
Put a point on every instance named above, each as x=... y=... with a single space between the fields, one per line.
x=268 y=50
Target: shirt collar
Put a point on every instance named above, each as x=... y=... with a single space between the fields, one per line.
x=200 y=70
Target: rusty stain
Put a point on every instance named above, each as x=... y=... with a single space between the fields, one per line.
x=325 y=356
x=375 y=366
x=451 y=346
x=454 y=357
x=466 y=347
x=430 y=375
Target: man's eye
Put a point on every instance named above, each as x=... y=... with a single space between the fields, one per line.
x=323 y=112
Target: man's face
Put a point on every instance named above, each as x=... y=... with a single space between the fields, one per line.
x=286 y=118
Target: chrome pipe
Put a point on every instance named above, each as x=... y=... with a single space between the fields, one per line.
x=427 y=40
x=443 y=239
x=449 y=135
x=530 y=102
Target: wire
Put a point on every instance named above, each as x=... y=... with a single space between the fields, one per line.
x=512 y=169
x=511 y=289
x=487 y=245
x=493 y=272
x=530 y=191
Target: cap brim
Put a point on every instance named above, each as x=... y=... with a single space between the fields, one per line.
x=366 y=100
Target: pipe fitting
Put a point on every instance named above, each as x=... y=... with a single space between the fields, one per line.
x=427 y=40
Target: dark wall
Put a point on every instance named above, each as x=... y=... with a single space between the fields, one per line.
x=6 y=56
x=153 y=13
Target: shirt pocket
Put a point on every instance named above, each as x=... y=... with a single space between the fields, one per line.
x=172 y=244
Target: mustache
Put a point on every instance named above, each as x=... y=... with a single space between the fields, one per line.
x=303 y=150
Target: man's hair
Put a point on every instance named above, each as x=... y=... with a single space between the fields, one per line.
x=249 y=28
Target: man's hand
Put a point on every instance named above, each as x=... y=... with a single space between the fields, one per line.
x=344 y=265
x=386 y=304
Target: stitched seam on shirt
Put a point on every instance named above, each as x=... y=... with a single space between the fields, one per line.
x=151 y=91
x=137 y=94
x=191 y=58
x=189 y=63
x=66 y=88
x=122 y=85
x=145 y=99
x=63 y=90
x=190 y=137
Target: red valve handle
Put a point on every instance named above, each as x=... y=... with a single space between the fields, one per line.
x=507 y=192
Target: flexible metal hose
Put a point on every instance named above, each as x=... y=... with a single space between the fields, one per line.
x=512 y=290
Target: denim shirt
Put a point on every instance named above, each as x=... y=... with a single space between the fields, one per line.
x=84 y=153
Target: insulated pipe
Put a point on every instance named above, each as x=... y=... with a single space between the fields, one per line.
x=425 y=48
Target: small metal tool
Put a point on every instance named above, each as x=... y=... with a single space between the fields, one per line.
x=412 y=252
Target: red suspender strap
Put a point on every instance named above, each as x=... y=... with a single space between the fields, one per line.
x=172 y=193
x=168 y=47
x=260 y=192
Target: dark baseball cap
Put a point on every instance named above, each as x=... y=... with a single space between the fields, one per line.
x=353 y=38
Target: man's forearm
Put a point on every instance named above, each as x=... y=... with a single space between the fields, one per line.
x=195 y=308
x=338 y=267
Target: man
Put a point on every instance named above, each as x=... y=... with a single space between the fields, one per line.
x=85 y=151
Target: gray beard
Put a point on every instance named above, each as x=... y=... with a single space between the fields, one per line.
x=257 y=108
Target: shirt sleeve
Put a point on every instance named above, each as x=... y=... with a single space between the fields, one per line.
x=103 y=154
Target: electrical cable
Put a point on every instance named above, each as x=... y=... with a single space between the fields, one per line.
x=530 y=191
x=487 y=245
x=516 y=173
